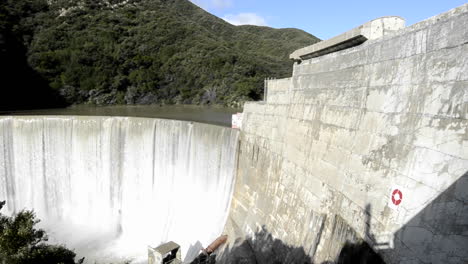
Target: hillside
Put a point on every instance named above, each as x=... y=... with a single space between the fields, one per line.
x=135 y=52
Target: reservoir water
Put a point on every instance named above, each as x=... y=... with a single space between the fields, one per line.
x=204 y=114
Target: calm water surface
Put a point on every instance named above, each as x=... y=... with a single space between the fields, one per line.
x=204 y=114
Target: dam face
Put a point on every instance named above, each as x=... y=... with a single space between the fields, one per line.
x=108 y=187
x=366 y=144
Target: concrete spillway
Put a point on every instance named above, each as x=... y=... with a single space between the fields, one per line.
x=108 y=187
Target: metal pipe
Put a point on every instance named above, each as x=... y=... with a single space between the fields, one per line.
x=216 y=244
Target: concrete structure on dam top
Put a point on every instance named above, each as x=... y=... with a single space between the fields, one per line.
x=366 y=143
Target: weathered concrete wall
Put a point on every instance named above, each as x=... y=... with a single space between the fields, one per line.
x=319 y=160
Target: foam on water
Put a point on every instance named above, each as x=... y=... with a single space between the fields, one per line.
x=108 y=187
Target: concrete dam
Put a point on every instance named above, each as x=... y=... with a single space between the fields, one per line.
x=366 y=142
x=364 y=148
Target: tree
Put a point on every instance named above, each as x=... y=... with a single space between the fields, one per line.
x=108 y=52
x=22 y=243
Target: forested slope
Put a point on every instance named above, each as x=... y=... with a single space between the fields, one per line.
x=135 y=52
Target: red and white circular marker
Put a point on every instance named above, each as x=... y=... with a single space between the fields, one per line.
x=397 y=197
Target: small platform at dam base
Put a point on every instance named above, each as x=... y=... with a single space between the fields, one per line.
x=167 y=253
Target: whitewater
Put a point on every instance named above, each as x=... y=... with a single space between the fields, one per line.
x=109 y=187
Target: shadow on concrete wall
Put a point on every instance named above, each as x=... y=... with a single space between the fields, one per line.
x=437 y=234
x=262 y=248
x=265 y=249
x=357 y=253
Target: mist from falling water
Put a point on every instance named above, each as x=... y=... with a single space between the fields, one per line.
x=108 y=187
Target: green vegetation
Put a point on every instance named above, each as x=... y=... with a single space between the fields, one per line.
x=141 y=52
x=22 y=243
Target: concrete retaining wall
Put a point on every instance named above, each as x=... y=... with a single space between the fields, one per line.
x=319 y=160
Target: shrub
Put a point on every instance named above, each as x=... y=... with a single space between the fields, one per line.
x=22 y=243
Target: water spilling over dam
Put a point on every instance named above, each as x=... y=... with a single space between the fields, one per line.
x=109 y=187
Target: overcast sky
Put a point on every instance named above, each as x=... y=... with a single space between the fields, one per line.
x=323 y=18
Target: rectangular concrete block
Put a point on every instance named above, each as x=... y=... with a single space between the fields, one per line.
x=413 y=43
x=434 y=169
x=350 y=117
x=374 y=122
x=447 y=100
x=443 y=135
x=371 y=30
x=445 y=65
x=439 y=36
